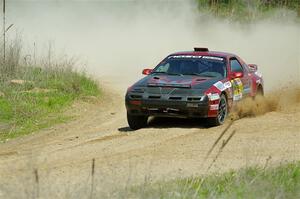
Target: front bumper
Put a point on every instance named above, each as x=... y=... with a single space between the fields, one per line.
x=168 y=106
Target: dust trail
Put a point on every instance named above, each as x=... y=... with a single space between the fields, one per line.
x=285 y=100
x=120 y=38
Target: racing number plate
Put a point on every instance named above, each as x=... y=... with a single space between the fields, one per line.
x=192 y=105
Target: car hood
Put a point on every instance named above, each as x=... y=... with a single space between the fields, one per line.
x=184 y=81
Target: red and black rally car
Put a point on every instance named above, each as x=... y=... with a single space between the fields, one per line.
x=199 y=83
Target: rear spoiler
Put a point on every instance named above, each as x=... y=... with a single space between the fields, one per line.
x=198 y=49
x=253 y=67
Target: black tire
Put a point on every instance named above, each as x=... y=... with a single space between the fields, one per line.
x=136 y=122
x=222 y=113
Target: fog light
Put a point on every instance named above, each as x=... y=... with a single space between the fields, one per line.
x=135 y=102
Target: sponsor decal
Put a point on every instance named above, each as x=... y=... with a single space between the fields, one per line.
x=196 y=57
x=185 y=56
x=214 y=107
x=222 y=86
x=213 y=96
x=227 y=84
x=213 y=58
x=192 y=105
x=219 y=85
x=238 y=89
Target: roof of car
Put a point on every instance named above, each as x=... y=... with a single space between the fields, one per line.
x=204 y=53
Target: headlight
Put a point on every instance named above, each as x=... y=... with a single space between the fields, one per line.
x=202 y=98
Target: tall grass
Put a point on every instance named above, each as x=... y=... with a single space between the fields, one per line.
x=254 y=182
x=281 y=181
x=33 y=94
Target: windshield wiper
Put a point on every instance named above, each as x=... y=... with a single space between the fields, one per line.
x=158 y=72
x=206 y=75
x=179 y=74
x=198 y=74
x=162 y=72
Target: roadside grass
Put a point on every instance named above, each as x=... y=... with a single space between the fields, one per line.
x=254 y=182
x=36 y=97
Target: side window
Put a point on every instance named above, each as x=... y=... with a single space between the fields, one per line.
x=235 y=65
x=163 y=68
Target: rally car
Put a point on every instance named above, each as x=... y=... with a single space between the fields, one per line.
x=199 y=83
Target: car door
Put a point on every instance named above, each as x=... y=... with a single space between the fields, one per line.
x=241 y=85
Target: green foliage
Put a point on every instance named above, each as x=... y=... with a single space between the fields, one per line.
x=255 y=182
x=39 y=101
x=246 y=9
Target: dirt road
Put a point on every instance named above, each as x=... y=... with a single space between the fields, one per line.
x=169 y=148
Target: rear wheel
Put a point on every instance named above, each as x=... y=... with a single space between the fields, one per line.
x=222 y=113
x=259 y=94
x=136 y=122
x=259 y=91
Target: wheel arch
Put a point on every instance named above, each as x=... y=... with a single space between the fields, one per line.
x=260 y=89
x=225 y=94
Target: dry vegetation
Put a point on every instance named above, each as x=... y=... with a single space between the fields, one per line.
x=33 y=94
x=255 y=182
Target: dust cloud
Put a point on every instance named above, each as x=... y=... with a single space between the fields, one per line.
x=285 y=99
x=117 y=39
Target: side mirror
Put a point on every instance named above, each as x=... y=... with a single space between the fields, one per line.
x=147 y=71
x=252 y=67
x=236 y=75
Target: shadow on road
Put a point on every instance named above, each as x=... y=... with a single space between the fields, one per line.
x=125 y=129
x=165 y=122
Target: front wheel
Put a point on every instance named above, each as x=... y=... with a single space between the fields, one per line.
x=136 y=122
x=222 y=113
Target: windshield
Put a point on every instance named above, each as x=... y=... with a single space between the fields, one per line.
x=206 y=66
